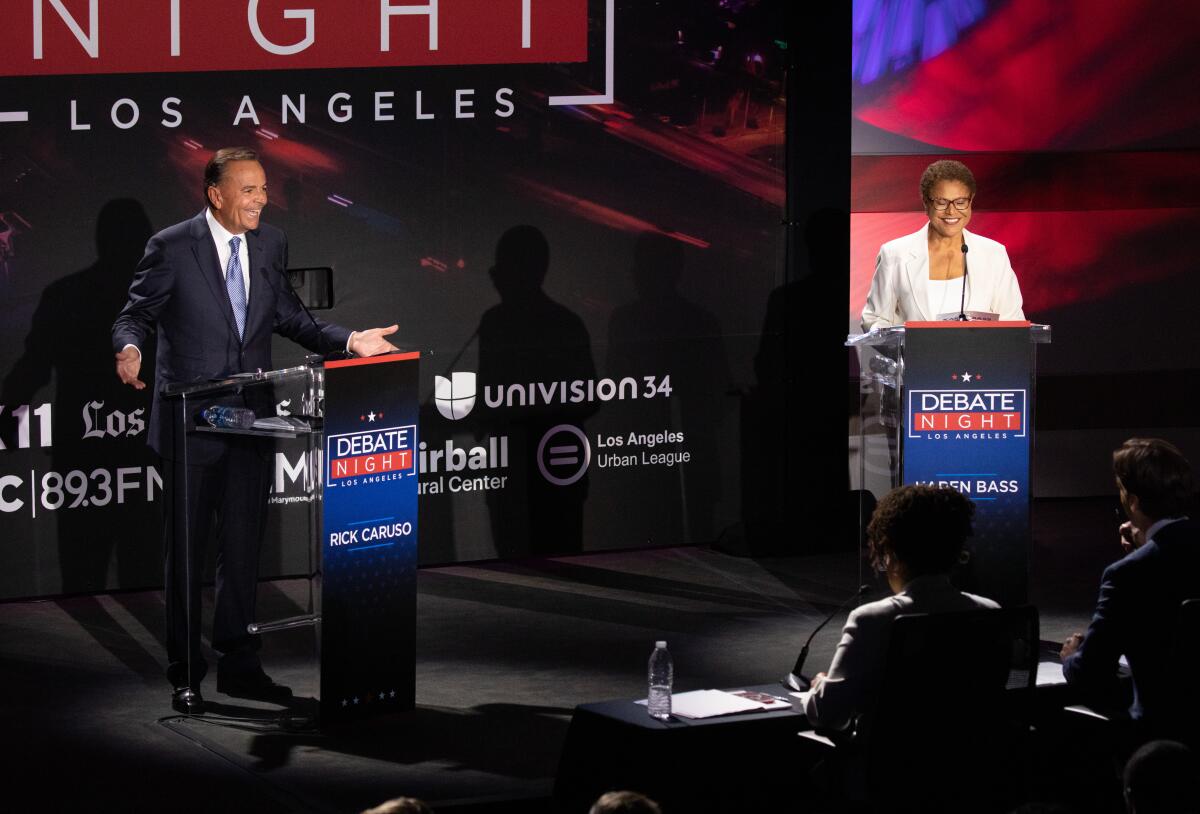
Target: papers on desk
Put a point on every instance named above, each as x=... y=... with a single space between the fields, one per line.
x=714 y=703
x=1050 y=674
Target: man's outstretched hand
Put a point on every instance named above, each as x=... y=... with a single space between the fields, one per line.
x=129 y=364
x=371 y=342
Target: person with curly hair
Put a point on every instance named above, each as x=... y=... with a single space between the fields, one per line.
x=922 y=276
x=916 y=536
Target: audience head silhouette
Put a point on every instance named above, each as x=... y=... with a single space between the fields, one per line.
x=401 y=805
x=624 y=802
x=1160 y=778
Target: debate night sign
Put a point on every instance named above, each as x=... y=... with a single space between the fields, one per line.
x=966 y=423
x=369 y=536
x=44 y=37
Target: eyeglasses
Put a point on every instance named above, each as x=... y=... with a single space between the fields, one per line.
x=941 y=204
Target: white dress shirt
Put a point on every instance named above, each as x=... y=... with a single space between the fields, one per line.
x=222 y=236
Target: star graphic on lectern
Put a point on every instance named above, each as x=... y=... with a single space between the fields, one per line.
x=371 y=417
x=966 y=377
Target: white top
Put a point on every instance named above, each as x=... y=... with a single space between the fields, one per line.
x=945 y=296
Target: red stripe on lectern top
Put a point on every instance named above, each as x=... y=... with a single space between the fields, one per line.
x=374 y=360
x=1012 y=323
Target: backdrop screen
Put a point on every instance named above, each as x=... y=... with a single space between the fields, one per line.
x=644 y=141
x=1072 y=117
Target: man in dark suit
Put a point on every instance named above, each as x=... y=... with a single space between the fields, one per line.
x=1140 y=594
x=212 y=289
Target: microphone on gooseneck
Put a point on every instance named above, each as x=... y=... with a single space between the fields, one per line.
x=793 y=680
x=962 y=304
x=287 y=284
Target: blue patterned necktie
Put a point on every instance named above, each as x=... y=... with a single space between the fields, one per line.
x=236 y=286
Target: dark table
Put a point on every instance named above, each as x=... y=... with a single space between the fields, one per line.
x=743 y=762
x=729 y=763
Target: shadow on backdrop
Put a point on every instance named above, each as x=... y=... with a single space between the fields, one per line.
x=662 y=333
x=96 y=420
x=783 y=481
x=526 y=341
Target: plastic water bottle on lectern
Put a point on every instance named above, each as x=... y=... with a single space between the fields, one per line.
x=238 y=418
x=662 y=676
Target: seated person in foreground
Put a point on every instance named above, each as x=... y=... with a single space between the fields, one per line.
x=1140 y=594
x=624 y=802
x=916 y=537
x=1160 y=778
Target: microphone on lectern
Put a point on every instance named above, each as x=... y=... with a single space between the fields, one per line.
x=793 y=680
x=962 y=303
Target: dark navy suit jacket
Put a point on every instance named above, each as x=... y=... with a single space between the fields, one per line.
x=179 y=290
x=1135 y=615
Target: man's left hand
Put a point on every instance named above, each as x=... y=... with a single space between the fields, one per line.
x=371 y=342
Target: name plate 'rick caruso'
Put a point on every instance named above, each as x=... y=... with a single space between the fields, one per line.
x=369 y=542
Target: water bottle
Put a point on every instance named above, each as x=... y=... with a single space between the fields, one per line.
x=662 y=676
x=238 y=418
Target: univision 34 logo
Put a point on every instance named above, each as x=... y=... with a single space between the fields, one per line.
x=454 y=397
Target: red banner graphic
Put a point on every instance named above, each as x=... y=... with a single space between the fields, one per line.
x=46 y=37
x=932 y=422
x=376 y=464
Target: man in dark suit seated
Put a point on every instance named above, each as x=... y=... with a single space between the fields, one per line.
x=212 y=287
x=1140 y=594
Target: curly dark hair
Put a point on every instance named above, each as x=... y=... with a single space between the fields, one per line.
x=922 y=527
x=1155 y=471
x=946 y=170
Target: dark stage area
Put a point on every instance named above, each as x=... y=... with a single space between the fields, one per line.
x=505 y=651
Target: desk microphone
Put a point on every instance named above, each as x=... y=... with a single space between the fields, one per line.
x=962 y=303
x=793 y=680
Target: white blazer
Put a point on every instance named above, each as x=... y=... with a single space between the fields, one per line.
x=900 y=287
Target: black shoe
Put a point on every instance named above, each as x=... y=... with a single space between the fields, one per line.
x=187 y=701
x=253 y=684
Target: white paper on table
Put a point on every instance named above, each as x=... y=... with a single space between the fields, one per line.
x=1050 y=673
x=709 y=704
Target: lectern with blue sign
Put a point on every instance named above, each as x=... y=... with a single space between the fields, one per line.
x=359 y=418
x=951 y=404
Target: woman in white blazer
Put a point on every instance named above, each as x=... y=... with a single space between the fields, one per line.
x=921 y=276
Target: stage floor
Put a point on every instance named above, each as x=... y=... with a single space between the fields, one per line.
x=505 y=651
